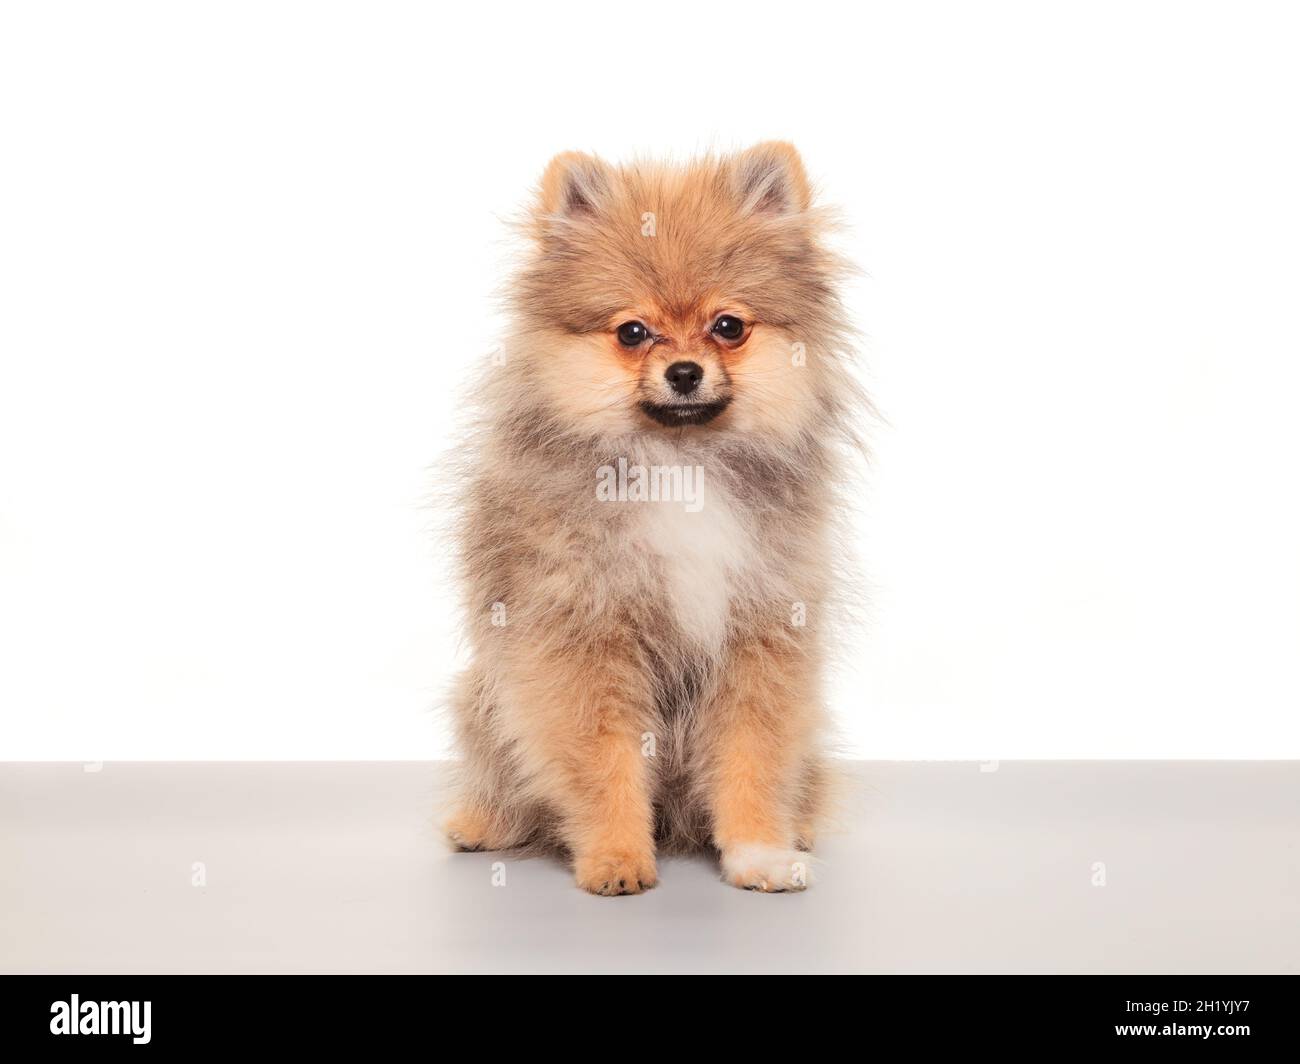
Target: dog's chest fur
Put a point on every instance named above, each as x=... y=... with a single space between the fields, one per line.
x=702 y=559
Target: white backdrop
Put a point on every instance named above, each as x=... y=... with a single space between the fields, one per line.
x=247 y=254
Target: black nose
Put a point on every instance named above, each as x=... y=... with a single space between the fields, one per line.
x=684 y=377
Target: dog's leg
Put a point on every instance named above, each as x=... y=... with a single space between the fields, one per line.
x=488 y=811
x=760 y=725
x=583 y=715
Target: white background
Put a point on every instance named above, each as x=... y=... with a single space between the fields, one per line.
x=247 y=255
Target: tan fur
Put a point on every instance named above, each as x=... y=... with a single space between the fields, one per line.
x=647 y=677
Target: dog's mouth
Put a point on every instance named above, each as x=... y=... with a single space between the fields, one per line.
x=684 y=413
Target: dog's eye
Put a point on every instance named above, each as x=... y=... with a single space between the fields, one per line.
x=632 y=334
x=729 y=328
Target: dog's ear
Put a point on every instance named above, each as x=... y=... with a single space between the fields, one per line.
x=574 y=184
x=770 y=179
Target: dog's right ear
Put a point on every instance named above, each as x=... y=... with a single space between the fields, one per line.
x=771 y=179
x=574 y=184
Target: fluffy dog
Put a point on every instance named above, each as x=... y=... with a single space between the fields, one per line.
x=646 y=535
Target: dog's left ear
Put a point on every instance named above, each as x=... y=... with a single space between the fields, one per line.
x=771 y=179
x=574 y=184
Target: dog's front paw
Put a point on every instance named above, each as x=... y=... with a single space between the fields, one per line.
x=610 y=874
x=771 y=869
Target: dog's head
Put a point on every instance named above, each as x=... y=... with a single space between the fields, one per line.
x=678 y=299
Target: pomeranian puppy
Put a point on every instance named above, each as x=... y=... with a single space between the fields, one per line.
x=646 y=534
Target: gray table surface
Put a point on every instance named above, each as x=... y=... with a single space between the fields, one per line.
x=937 y=867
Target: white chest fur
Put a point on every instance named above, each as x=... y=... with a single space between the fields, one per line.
x=702 y=556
